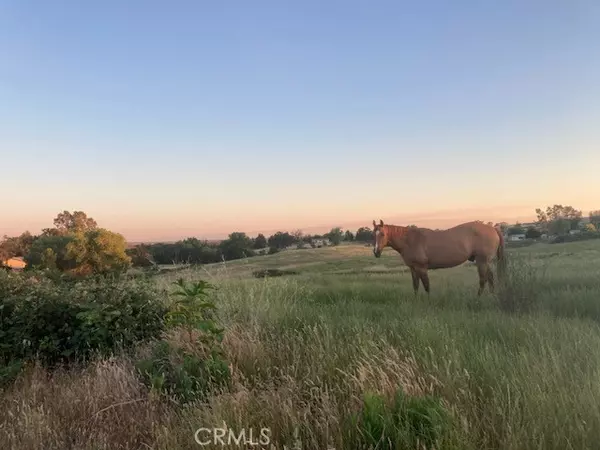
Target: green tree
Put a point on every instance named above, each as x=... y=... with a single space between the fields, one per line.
x=297 y=235
x=17 y=245
x=98 y=251
x=335 y=235
x=260 y=241
x=532 y=233
x=51 y=232
x=49 y=252
x=348 y=236
x=140 y=256
x=595 y=218
x=558 y=213
x=49 y=259
x=559 y=226
x=75 y=222
x=4 y=254
x=237 y=245
x=281 y=240
x=364 y=234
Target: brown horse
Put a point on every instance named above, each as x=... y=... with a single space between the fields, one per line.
x=423 y=249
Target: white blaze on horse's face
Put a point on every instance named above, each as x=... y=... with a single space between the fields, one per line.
x=375 y=242
x=377 y=247
x=379 y=237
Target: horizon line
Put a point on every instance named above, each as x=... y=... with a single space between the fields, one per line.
x=440 y=219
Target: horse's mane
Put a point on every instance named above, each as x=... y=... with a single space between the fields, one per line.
x=398 y=229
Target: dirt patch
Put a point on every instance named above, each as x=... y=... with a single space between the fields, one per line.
x=301 y=265
x=272 y=273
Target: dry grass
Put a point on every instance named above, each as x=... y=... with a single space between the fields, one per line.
x=297 y=402
x=106 y=407
x=101 y=407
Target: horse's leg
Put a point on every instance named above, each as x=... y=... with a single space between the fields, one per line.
x=490 y=279
x=483 y=269
x=422 y=272
x=415 y=280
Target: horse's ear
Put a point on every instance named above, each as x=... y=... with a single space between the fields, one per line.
x=374 y=224
x=380 y=222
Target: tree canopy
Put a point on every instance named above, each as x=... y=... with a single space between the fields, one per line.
x=335 y=235
x=558 y=219
x=98 y=251
x=260 y=241
x=364 y=234
x=595 y=218
x=75 y=222
x=237 y=245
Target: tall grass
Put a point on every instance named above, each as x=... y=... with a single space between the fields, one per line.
x=521 y=283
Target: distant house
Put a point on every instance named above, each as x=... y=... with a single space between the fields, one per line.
x=517 y=237
x=16 y=263
x=530 y=225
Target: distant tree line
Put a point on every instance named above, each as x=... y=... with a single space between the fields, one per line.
x=77 y=245
x=237 y=245
x=559 y=221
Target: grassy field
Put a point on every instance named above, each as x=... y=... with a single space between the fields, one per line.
x=343 y=335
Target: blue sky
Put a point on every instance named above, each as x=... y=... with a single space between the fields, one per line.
x=167 y=119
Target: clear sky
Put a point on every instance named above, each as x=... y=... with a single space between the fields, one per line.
x=164 y=119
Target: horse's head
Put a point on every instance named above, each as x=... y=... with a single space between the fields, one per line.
x=380 y=238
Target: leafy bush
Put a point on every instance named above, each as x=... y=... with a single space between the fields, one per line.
x=190 y=369
x=408 y=422
x=9 y=372
x=65 y=322
x=273 y=250
x=179 y=373
x=192 y=311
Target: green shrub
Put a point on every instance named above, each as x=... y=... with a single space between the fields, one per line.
x=61 y=322
x=9 y=372
x=408 y=422
x=196 y=365
x=190 y=308
x=180 y=373
x=273 y=250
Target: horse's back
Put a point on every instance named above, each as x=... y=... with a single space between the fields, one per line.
x=453 y=246
x=484 y=238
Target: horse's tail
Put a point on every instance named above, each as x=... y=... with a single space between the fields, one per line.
x=500 y=254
